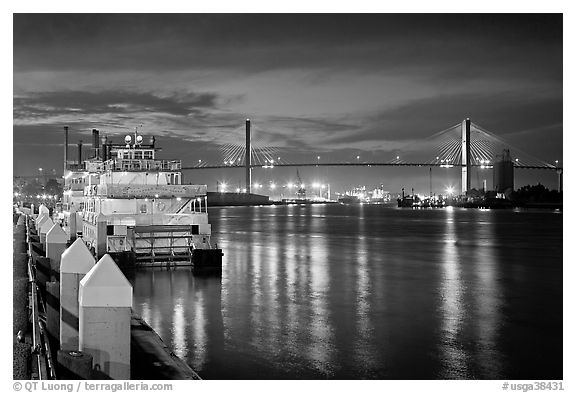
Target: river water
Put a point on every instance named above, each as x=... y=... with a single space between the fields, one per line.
x=368 y=291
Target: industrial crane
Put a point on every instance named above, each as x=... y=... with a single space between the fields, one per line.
x=301 y=193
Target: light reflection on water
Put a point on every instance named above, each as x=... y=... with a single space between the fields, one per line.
x=367 y=292
x=455 y=362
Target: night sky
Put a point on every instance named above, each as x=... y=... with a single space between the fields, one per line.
x=337 y=86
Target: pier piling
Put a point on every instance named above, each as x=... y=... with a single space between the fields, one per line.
x=40 y=219
x=75 y=262
x=43 y=209
x=105 y=302
x=44 y=228
x=56 y=240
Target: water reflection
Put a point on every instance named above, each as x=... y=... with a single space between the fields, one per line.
x=487 y=302
x=366 y=292
x=184 y=310
x=454 y=357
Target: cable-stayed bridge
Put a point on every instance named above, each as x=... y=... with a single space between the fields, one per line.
x=465 y=145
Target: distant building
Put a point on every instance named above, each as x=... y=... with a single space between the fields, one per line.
x=504 y=173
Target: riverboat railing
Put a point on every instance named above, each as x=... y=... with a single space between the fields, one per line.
x=117 y=164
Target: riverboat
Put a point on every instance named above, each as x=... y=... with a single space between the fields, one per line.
x=126 y=202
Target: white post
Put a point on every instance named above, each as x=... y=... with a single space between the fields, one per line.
x=56 y=240
x=44 y=228
x=38 y=220
x=105 y=302
x=43 y=209
x=72 y=227
x=76 y=261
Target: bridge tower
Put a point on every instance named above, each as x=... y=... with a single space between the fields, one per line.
x=248 y=159
x=465 y=156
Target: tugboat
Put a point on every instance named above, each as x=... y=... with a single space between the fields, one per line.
x=125 y=202
x=409 y=200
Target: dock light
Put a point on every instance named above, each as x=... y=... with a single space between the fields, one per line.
x=238 y=190
x=302 y=185
x=290 y=185
x=318 y=158
x=44 y=196
x=397 y=157
x=222 y=187
x=244 y=190
x=272 y=186
x=315 y=185
x=357 y=157
x=450 y=190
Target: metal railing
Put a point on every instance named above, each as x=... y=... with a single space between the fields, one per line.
x=141 y=165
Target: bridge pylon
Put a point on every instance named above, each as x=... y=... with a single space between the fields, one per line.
x=248 y=159
x=466 y=169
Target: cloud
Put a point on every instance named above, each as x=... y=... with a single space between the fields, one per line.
x=110 y=102
x=457 y=45
x=500 y=113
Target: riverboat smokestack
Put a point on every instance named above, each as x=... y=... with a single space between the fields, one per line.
x=65 y=148
x=96 y=142
x=79 y=154
x=104 y=148
x=248 y=159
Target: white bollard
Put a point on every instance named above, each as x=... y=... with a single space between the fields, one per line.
x=43 y=209
x=72 y=225
x=105 y=302
x=44 y=228
x=76 y=261
x=38 y=220
x=56 y=240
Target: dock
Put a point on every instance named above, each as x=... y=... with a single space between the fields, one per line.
x=149 y=358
